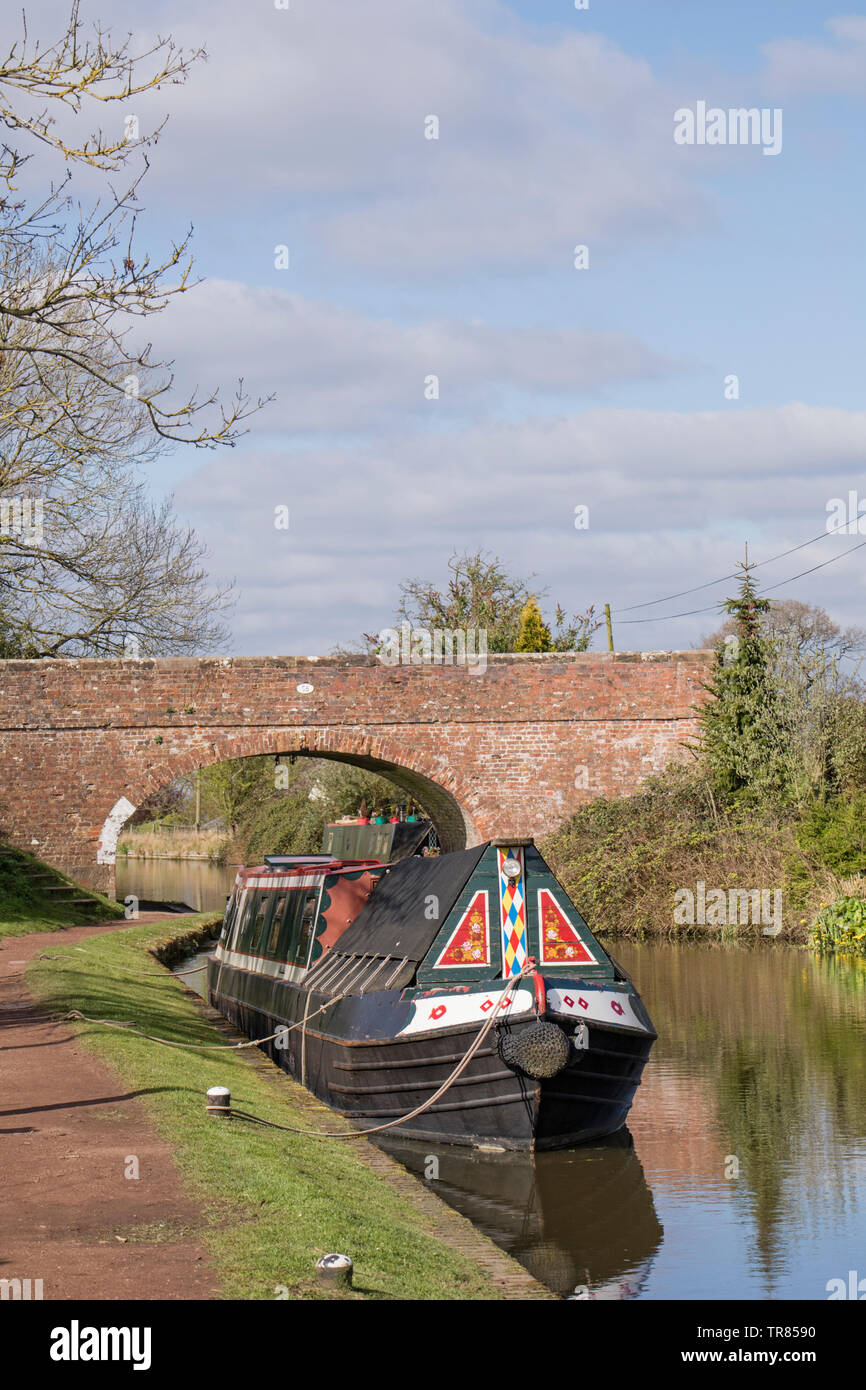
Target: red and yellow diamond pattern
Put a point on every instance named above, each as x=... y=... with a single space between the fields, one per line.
x=513 y=907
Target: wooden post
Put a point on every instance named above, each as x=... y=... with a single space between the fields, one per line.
x=197 y=800
x=609 y=628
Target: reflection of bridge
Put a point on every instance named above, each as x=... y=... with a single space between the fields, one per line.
x=516 y=748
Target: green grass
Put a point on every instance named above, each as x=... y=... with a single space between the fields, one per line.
x=24 y=909
x=273 y=1202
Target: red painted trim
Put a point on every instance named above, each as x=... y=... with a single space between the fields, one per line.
x=337 y=866
x=441 y=964
x=540 y=990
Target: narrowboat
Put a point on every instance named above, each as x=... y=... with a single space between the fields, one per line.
x=379 y=978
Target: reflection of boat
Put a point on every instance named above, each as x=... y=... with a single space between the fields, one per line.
x=581 y=1220
x=388 y=975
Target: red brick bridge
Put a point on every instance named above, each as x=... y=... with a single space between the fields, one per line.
x=516 y=748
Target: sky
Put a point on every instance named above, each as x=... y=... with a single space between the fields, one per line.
x=607 y=386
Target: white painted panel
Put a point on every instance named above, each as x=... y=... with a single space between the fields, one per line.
x=446 y=1010
x=106 y=851
x=601 y=1005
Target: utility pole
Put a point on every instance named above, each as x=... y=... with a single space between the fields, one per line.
x=609 y=628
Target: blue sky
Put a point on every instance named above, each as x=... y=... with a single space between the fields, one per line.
x=558 y=387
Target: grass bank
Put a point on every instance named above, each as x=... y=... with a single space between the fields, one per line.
x=27 y=905
x=273 y=1202
x=624 y=861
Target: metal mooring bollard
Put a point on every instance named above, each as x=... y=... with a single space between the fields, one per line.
x=219 y=1101
x=336 y=1270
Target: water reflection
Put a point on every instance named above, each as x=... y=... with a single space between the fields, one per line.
x=582 y=1221
x=193 y=972
x=746 y=1179
x=200 y=885
x=751 y=1121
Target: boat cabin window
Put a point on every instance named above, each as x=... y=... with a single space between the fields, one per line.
x=228 y=917
x=269 y=948
x=308 y=917
x=241 y=915
x=253 y=922
x=300 y=916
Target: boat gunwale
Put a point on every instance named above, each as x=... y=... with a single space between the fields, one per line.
x=452 y=1029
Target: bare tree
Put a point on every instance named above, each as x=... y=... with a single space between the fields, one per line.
x=98 y=277
x=87 y=563
x=802 y=628
x=83 y=405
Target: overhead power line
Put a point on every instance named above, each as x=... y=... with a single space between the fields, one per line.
x=831 y=561
x=649 y=603
x=664 y=617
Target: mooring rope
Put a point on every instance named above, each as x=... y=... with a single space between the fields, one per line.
x=304 y=1023
x=402 y=1119
x=130 y=1026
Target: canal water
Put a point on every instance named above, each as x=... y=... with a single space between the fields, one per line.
x=743 y=1170
x=197 y=882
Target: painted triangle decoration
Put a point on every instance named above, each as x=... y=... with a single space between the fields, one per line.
x=469 y=943
x=560 y=941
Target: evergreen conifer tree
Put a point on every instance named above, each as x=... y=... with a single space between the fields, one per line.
x=735 y=725
x=533 y=634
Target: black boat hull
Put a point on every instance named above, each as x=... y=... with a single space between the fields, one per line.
x=353 y=1058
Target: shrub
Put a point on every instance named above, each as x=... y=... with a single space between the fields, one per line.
x=832 y=834
x=841 y=924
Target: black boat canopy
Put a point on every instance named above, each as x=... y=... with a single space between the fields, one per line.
x=399 y=919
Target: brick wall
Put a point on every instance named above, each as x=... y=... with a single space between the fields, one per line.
x=516 y=748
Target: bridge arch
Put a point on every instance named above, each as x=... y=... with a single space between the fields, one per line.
x=445 y=804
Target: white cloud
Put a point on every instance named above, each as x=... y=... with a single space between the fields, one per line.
x=314 y=117
x=801 y=66
x=672 y=498
x=334 y=369
x=306 y=126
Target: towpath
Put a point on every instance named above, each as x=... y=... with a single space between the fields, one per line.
x=68 y=1214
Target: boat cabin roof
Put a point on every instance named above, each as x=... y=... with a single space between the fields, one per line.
x=399 y=919
x=488 y=909
x=277 y=869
